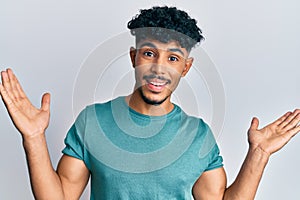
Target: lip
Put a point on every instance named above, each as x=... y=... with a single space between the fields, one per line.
x=156 y=85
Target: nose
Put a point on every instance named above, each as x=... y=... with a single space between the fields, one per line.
x=158 y=66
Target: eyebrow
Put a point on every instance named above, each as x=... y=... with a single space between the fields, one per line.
x=149 y=44
x=176 y=50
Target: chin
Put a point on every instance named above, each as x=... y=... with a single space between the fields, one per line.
x=152 y=101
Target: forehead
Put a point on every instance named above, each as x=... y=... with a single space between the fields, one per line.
x=171 y=46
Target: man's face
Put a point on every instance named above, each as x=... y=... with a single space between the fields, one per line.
x=158 y=69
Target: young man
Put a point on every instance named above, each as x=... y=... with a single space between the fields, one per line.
x=142 y=146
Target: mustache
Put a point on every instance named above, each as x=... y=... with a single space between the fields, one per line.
x=153 y=76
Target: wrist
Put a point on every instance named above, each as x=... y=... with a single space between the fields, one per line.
x=258 y=154
x=29 y=140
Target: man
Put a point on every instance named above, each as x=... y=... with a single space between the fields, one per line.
x=142 y=146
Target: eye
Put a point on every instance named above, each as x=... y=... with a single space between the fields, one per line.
x=173 y=58
x=149 y=54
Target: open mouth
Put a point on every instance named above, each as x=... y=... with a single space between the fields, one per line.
x=156 y=85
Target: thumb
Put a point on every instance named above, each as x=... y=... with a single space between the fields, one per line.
x=46 y=102
x=254 y=124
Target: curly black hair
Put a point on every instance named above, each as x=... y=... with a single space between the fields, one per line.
x=166 y=24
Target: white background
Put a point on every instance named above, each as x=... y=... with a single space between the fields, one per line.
x=255 y=46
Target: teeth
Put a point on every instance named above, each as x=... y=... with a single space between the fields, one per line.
x=157 y=84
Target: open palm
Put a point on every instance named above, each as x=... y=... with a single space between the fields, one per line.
x=28 y=119
x=274 y=136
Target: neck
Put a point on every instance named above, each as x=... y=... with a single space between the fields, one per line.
x=136 y=102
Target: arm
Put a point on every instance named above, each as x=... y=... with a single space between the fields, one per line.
x=74 y=176
x=246 y=183
x=67 y=182
x=32 y=122
x=262 y=143
x=211 y=185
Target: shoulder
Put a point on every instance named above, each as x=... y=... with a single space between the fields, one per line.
x=196 y=121
x=93 y=110
x=204 y=135
x=102 y=106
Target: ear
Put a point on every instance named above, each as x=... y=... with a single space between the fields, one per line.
x=132 y=54
x=188 y=65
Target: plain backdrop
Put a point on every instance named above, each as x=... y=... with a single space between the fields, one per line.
x=253 y=44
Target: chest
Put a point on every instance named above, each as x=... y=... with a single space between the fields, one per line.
x=174 y=181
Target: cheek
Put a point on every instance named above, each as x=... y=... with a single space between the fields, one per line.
x=175 y=73
x=175 y=79
x=177 y=69
x=139 y=73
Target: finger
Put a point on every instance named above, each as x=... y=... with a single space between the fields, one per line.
x=297 y=111
x=282 y=118
x=13 y=83
x=294 y=122
x=6 y=83
x=45 y=102
x=6 y=90
x=291 y=133
x=254 y=124
x=6 y=98
x=17 y=85
x=287 y=122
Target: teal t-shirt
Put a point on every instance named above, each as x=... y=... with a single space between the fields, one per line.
x=135 y=156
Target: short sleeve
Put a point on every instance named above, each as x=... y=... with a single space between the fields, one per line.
x=216 y=160
x=74 y=140
x=210 y=150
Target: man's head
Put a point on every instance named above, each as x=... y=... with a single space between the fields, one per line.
x=166 y=24
x=164 y=38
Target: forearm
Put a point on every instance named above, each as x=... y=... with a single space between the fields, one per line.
x=245 y=185
x=45 y=182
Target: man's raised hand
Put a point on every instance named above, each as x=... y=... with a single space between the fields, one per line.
x=29 y=120
x=274 y=136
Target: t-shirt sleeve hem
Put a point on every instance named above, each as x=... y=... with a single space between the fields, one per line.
x=214 y=167
x=71 y=153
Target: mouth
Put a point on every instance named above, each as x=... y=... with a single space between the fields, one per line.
x=156 y=83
